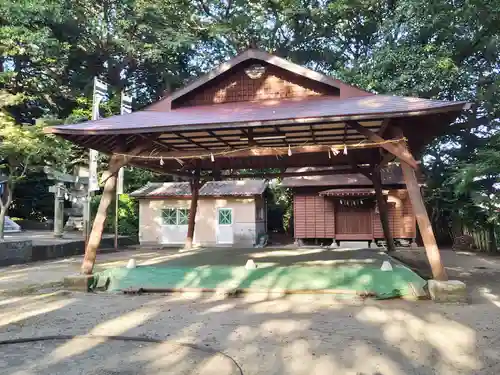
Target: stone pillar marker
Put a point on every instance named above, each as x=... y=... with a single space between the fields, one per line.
x=59 y=209
x=78 y=185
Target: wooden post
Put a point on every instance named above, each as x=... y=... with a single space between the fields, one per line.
x=382 y=208
x=195 y=188
x=424 y=224
x=116 y=162
x=97 y=228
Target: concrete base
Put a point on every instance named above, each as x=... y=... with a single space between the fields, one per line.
x=78 y=282
x=448 y=291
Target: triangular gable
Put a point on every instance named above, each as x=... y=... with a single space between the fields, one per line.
x=342 y=89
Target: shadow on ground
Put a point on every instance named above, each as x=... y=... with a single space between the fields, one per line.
x=263 y=334
x=300 y=335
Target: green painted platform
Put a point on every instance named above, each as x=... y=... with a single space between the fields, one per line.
x=365 y=278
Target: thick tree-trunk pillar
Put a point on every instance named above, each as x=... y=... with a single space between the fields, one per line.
x=382 y=209
x=95 y=237
x=195 y=188
x=424 y=224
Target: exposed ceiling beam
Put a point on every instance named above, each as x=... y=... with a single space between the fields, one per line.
x=279 y=132
x=219 y=139
x=190 y=140
x=275 y=151
x=251 y=140
x=312 y=133
x=164 y=146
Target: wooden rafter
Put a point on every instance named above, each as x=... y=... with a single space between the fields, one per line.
x=313 y=136
x=395 y=149
x=249 y=134
x=86 y=143
x=189 y=140
x=383 y=127
x=160 y=144
x=279 y=132
x=219 y=139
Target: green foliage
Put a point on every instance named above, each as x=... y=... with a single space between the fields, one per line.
x=478 y=180
x=128 y=215
x=279 y=209
x=25 y=148
x=135 y=178
x=51 y=51
x=32 y=199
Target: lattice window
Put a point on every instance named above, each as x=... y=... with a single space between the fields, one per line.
x=225 y=216
x=183 y=216
x=169 y=216
x=175 y=216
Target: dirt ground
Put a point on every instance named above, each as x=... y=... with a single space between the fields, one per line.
x=259 y=334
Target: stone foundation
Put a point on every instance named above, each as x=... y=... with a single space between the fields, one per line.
x=451 y=291
x=15 y=252
x=78 y=282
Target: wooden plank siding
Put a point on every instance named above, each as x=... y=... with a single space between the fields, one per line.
x=353 y=223
x=314 y=217
x=236 y=86
x=378 y=232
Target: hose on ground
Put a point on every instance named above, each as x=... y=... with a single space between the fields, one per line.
x=150 y=340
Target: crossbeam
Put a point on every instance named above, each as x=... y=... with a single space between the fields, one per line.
x=396 y=149
x=386 y=159
x=255 y=151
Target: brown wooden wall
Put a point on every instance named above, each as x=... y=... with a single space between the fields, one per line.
x=314 y=216
x=236 y=86
x=401 y=218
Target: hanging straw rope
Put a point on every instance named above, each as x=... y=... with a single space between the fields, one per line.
x=279 y=150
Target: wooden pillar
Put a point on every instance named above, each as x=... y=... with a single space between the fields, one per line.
x=95 y=237
x=195 y=189
x=383 y=209
x=424 y=224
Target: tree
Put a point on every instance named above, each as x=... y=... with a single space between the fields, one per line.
x=50 y=52
x=23 y=149
x=477 y=181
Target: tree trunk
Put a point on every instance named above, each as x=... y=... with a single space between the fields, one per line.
x=3 y=213
x=383 y=210
x=195 y=187
x=95 y=237
x=424 y=224
x=6 y=199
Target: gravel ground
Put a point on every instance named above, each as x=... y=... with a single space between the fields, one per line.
x=264 y=335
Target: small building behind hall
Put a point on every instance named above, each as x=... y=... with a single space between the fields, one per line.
x=343 y=207
x=229 y=213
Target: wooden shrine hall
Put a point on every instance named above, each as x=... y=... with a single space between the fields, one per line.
x=259 y=111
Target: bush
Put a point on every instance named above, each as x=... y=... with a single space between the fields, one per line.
x=128 y=215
